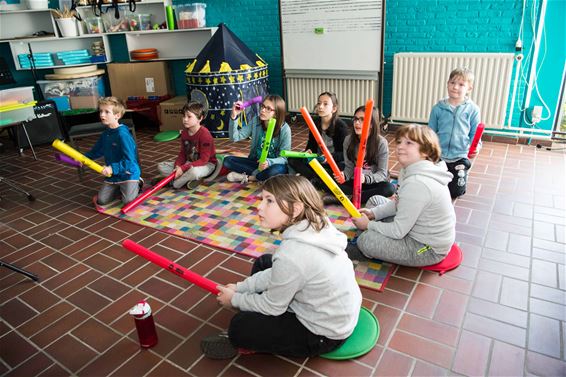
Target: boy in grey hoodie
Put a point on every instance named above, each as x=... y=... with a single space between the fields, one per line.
x=455 y=120
x=422 y=230
x=302 y=301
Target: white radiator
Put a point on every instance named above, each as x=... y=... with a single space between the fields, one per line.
x=419 y=81
x=351 y=93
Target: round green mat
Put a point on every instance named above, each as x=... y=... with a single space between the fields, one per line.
x=362 y=340
x=166 y=136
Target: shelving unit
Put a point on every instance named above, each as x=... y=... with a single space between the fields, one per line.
x=171 y=44
x=24 y=23
x=52 y=45
x=17 y=28
x=153 y=7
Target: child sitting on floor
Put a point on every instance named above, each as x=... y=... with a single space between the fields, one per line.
x=423 y=227
x=301 y=301
x=333 y=131
x=375 y=173
x=119 y=149
x=246 y=169
x=455 y=119
x=197 y=156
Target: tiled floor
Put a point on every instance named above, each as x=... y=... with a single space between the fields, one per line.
x=501 y=313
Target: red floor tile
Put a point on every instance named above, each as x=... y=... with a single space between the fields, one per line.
x=472 y=355
x=423 y=349
x=394 y=364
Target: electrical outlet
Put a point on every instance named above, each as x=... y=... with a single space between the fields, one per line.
x=536 y=114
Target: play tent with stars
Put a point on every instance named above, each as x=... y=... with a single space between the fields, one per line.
x=226 y=71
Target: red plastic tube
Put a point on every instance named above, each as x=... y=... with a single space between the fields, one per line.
x=172 y=267
x=477 y=138
x=329 y=159
x=148 y=193
x=357 y=189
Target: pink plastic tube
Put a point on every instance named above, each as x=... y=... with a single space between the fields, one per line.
x=172 y=267
x=68 y=160
x=250 y=102
x=148 y=193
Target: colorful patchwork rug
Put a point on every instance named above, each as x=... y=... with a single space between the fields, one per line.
x=223 y=215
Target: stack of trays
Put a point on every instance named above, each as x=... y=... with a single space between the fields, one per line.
x=74 y=57
x=144 y=54
x=41 y=60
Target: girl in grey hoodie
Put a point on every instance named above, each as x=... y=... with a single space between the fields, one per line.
x=423 y=226
x=302 y=301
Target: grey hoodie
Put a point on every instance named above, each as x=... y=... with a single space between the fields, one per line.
x=312 y=277
x=423 y=210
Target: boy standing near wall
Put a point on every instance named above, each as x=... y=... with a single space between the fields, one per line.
x=455 y=120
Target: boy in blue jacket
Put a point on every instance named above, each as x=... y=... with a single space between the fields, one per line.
x=455 y=120
x=118 y=147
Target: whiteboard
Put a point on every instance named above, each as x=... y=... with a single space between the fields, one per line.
x=331 y=35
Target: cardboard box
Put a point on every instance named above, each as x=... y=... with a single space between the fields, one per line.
x=171 y=113
x=84 y=102
x=147 y=79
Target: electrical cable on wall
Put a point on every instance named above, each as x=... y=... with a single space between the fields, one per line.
x=531 y=61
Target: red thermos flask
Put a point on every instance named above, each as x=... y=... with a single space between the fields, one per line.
x=144 y=324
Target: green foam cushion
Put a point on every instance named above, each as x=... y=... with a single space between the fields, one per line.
x=362 y=340
x=166 y=136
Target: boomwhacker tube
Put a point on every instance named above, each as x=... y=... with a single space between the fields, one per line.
x=477 y=138
x=267 y=140
x=250 y=102
x=328 y=181
x=357 y=189
x=148 y=193
x=68 y=160
x=329 y=159
x=294 y=154
x=171 y=266
x=76 y=155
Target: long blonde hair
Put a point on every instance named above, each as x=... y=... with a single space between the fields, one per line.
x=291 y=189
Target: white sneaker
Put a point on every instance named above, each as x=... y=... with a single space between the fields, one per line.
x=237 y=177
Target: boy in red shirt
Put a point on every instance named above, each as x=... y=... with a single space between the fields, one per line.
x=197 y=157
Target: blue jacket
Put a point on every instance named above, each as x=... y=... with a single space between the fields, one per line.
x=279 y=143
x=455 y=128
x=119 y=150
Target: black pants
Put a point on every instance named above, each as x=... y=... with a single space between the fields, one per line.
x=283 y=335
x=368 y=190
x=459 y=170
x=301 y=166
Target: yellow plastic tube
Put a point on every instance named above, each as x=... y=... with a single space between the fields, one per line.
x=328 y=181
x=76 y=155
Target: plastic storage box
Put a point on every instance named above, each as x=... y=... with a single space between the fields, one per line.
x=82 y=93
x=15 y=96
x=190 y=16
x=94 y=25
x=139 y=21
